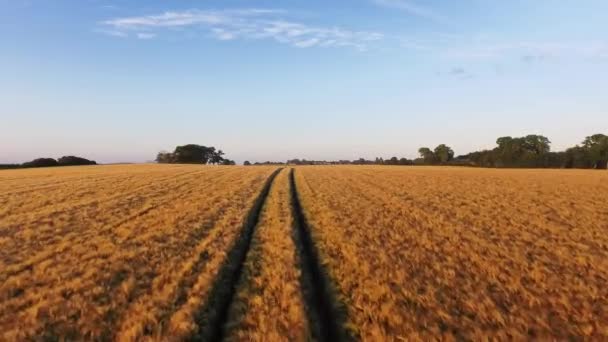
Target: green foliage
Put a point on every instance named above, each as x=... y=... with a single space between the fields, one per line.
x=534 y=151
x=193 y=154
x=443 y=154
x=228 y=162
x=427 y=155
x=41 y=162
x=73 y=160
x=597 y=150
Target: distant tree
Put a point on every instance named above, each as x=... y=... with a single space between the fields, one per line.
x=227 y=162
x=164 y=157
x=191 y=154
x=73 y=160
x=10 y=166
x=577 y=157
x=536 y=144
x=41 y=162
x=529 y=151
x=427 y=155
x=393 y=161
x=216 y=157
x=405 y=161
x=443 y=154
x=485 y=158
x=247 y=163
x=597 y=150
x=507 y=151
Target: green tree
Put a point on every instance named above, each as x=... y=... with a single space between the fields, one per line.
x=192 y=154
x=427 y=155
x=216 y=157
x=443 y=154
x=597 y=149
x=41 y=162
x=527 y=151
x=164 y=157
x=73 y=160
x=536 y=144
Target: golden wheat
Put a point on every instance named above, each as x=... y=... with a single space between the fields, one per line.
x=417 y=253
x=454 y=253
x=269 y=305
x=117 y=252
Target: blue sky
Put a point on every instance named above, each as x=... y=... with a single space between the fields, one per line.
x=119 y=80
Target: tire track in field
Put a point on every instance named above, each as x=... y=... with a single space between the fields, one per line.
x=214 y=314
x=326 y=314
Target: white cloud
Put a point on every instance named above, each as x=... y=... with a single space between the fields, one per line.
x=307 y=43
x=243 y=24
x=411 y=8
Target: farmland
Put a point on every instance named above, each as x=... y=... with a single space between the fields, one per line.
x=463 y=253
x=132 y=252
x=115 y=252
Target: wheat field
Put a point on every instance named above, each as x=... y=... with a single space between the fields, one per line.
x=161 y=252
x=269 y=304
x=115 y=252
x=457 y=253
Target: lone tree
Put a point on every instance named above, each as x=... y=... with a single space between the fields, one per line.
x=193 y=154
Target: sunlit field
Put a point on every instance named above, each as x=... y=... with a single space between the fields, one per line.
x=115 y=251
x=176 y=252
x=464 y=253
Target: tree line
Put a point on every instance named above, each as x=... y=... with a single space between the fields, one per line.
x=193 y=154
x=531 y=151
x=50 y=162
x=534 y=151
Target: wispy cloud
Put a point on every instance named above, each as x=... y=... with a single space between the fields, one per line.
x=243 y=24
x=412 y=8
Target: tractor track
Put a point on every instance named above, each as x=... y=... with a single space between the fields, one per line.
x=326 y=314
x=212 y=317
